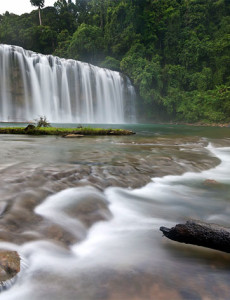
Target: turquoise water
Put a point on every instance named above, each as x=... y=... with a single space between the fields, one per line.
x=150 y=129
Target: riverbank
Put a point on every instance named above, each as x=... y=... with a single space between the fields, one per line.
x=203 y=124
x=31 y=130
x=197 y=124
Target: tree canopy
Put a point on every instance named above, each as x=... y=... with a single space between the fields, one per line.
x=176 y=52
x=39 y=4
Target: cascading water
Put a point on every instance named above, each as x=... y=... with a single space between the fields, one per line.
x=65 y=91
x=86 y=225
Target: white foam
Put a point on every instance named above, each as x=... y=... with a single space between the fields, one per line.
x=130 y=239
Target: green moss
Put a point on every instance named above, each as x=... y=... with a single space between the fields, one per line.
x=64 y=131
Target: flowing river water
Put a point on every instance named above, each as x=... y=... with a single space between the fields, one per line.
x=84 y=214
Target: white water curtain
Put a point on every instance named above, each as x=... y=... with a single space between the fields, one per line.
x=65 y=91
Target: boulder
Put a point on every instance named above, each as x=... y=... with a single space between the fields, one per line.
x=199 y=233
x=30 y=127
x=9 y=264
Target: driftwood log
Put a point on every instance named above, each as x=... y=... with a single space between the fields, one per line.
x=201 y=234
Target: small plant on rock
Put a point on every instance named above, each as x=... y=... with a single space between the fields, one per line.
x=42 y=122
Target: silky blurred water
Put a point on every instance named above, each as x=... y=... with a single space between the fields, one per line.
x=84 y=214
x=64 y=90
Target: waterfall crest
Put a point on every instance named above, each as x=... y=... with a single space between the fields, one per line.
x=65 y=91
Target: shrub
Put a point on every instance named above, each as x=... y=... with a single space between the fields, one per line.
x=42 y=122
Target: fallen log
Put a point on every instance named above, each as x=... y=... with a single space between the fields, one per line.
x=201 y=234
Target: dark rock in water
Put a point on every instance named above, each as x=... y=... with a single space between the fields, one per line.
x=29 y=127
x=59 y=234
x=201 y=234
x=9 y=264
x=123 y=132
x=90 y=209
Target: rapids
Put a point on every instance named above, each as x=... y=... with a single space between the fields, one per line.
x=33 y=85
x=85 y=215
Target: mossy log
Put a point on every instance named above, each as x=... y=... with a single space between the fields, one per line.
x=201 y=234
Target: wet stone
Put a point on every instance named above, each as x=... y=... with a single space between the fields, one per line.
x=73 y=135
x=211 y=182
x=9 y=264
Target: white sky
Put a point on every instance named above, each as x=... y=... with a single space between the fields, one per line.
x=20 y=6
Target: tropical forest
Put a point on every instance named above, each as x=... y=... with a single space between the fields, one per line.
x=115 y=150
x=176 y=52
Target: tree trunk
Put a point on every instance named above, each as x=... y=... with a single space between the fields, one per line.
x=39 y=14
x=201 y=234
x=102 y=15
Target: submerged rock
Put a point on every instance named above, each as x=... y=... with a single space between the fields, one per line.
x=211 y=182
x=9 y=264
x=73 y=135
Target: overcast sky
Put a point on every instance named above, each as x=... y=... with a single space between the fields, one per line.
x=20 y=6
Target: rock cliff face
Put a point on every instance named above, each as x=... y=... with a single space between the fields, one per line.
x=33 y=84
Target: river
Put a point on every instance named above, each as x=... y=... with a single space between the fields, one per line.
x=84 y=214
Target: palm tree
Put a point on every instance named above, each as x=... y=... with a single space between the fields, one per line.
x=39 y=4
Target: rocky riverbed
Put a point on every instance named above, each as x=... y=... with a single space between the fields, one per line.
x=55 y=192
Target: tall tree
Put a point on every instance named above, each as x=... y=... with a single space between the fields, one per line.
x=99 y=7
x=39 y=4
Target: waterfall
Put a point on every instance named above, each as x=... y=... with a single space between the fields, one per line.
x=65 y=91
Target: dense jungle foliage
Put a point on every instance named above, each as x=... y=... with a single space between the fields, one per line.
x=176 y=52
